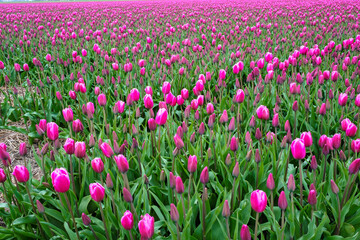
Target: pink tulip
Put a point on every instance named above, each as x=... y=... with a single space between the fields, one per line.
x=185 y=93
x=127 y=220
x=122 y=163
x=343 y=97
x=22 y=149
x=97 y=192
x=307 y=138
x=222 y=74
x=245 y=232
x=106 y=150
x=351 y=130
x=270 y=183
x=69 y=146
x=282 y=201
x=80 y=149
x=21 y=173
x=240 y=96
x=148 y=90
x=60 y=180
x=192 y=163
x=262 y=112
x=102 y=99
x=97 y=165
x=354 y=166
x=2 y=176
x=204 y=176
x=312 y=197
x=134 y=94
x=52 y=130
x=258 y=200
x=161 y=116
x=166 y=88
x=146 y=227
x=345 y=123
x=148 y=101
x=179 y=185
x=298 y=149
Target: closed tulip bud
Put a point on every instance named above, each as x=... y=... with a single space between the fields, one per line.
x=60 y=180
x=262 y=112
x=270 y=183
x=298 y=149
x=204 y=176
x=22 y=149
x=245 y=232
x=179 y=185
x=97 y=192
x=258 y=134
x=258 y=200
x=234 y=144
x=178 y=142
x=354 y=166
x=295 y=106
x=291 y=183
x=174 y=214
x=102 y=99
x=224 y=117
x=40 y=207
x=85 y=219
x=226 y=209
x=109 y=182
x=257 y=156
x=97 y=165
x=342 y=155
x=152 y=124
x=172 y=180
x=313 y=164
x=282 y=201
x=77 y=126
x=275 y=121
x=334 y=187
x=232 y=124
x=21 y=173
x=192 y=163
x=236 y=170
x=312 y=197
x=192 y=137
x=122 y=163
x=343 y=97
x=92 y=141
x=228 y=160
x=336 y=141
x=287 y=126
x=322 y=110
x=127 y=195
x=44 y=149
x=52 y=130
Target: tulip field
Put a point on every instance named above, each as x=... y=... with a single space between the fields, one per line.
x=180 y=120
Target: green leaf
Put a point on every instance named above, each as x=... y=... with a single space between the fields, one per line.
x=24 y=220
x=71 y=234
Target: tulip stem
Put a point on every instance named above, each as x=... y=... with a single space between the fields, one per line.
x=43 y=167
x=301 y=183
x=72 y=174
x=103 y=218
x=189 y=190
x=92 y=230
x=134 y=211
x=349 y=191
x=131 y=236
x=201 y=150
x=227 y=227
x=113 y=203
x=183 y=203
x=159 y=147
x=72 y=215
x=214 y=154
x=337 y=231
x=32 y=204
x=233 y=195
x=272 y=201
x=286 y=167
x=256 y=225
x=282 y=224
x=79 y=171
x=178 y=230
x=257 y=175
x=203 y=214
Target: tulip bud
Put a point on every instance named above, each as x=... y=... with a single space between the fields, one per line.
x=179 y=185
x=270 y=183
x=204 y=176
x=291 y=183
x=228 y=160
x=334 y=187
x=174 y=214
x=22 y=149
x=312 y=197
x=40 y=207
x=282 y=201
x=245 y=233
x=85 y=219
x=127 y=195
x=236 y=170
x=109 y=182
x=226 y=209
